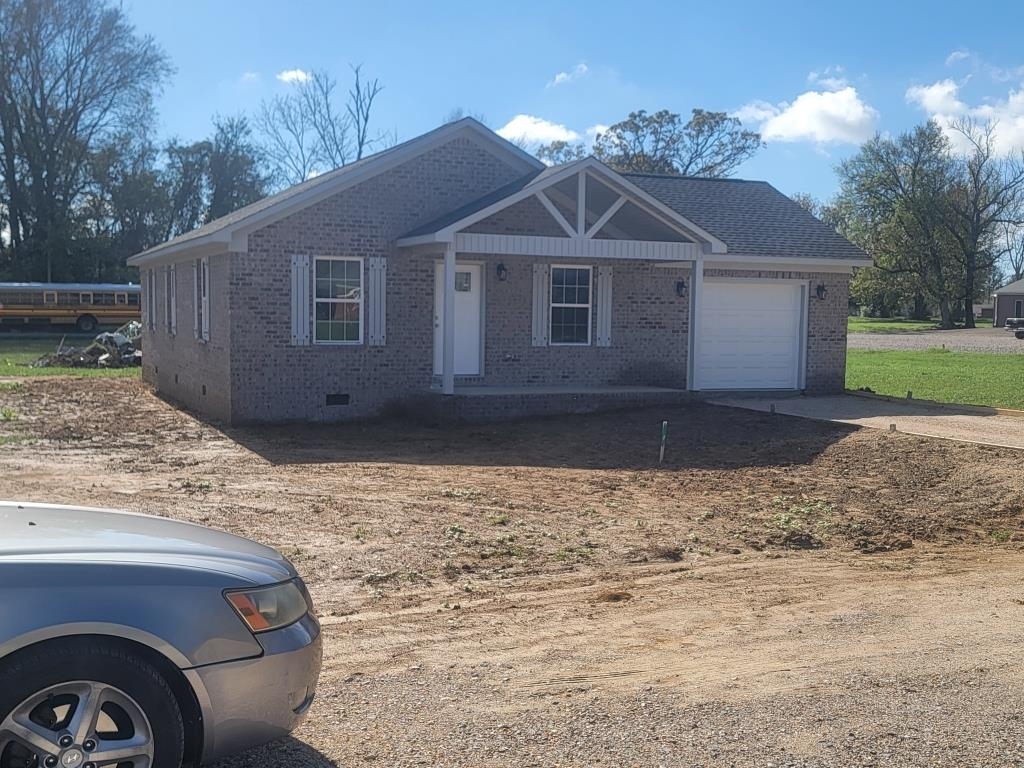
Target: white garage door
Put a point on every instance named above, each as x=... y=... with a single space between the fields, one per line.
x=749 y=336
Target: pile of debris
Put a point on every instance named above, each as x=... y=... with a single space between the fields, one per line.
x=116 y=349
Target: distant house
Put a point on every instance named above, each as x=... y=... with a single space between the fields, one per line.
x=1009 y=302
x=457 y=271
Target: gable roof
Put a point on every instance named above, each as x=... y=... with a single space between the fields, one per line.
x=752 y=217
x=445 y=227
x=1014 y=287
x=312 y=190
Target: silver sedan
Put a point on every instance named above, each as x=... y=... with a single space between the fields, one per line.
x=129 y=640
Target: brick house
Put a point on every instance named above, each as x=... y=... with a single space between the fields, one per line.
x=457 y=272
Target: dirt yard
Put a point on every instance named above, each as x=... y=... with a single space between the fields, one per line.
x=781 y=593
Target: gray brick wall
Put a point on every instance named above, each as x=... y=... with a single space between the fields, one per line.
x=273 y=380
x=181 y=367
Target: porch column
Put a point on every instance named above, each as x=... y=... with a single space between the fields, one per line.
x=448 y=331
x=696 y=300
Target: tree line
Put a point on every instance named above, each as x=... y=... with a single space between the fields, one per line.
x=939 y=211
x=84 y=180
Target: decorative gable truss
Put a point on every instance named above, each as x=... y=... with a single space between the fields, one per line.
x=589 y=210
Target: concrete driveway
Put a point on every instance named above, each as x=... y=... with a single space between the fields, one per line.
x=950 y=423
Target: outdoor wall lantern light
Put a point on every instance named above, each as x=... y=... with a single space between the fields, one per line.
x=821 y=290
x=680 y=287
x=502 y=272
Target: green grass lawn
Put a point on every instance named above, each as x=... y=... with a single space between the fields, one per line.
x=887 y=325
x=16 y=353
x=967 y=378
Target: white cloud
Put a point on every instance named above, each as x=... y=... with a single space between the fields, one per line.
x=293 y=76
x=824 y=117
x=580 y=70
x=536 y=130
x=831 y=78
x=941 y=102
x=249 y=78
x=957 y=56
x=595 y=130
x=939 y=98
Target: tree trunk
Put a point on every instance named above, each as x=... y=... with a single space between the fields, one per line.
x=920 y=311
x=969 y=313
x=945 y=314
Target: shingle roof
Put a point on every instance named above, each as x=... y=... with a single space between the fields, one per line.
x=752 y=217
x=1014 y=287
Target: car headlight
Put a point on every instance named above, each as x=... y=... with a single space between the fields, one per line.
x=266 y=608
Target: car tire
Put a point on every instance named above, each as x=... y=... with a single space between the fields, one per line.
x=108 y=666
x=86 y=324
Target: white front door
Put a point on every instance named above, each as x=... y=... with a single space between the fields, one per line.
x=468 y=319
x=750 y=335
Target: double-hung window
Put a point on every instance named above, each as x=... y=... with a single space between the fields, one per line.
x=570 y=305
x=338 y=300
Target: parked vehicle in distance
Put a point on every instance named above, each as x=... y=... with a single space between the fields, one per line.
x=84 y=305
x=130 y=640
x=1013 y=323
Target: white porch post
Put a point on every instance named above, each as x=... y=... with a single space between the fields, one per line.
x=696 y=299
x=448 y=331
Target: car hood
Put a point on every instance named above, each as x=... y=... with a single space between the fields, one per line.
x=49 y=532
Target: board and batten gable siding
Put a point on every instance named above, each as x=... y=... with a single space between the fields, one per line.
x=181 y=367
x=276 y=380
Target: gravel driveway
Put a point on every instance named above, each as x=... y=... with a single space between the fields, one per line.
x=962 y=340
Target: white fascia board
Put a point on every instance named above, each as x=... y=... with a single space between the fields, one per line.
x=209 y=245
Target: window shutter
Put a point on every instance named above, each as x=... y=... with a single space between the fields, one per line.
x=604 y=306
x=541 y=301
x=300 y=300
x=172 y=301
x=377 y=267
x=195 y=299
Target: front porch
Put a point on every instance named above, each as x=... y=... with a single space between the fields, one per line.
x=524 y=289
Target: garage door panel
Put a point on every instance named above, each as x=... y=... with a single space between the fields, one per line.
x=749 y=336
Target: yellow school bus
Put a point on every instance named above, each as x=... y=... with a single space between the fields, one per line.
x=84 y=305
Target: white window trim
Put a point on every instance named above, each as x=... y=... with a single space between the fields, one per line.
x=589 y=306
x=50 y=300
x=118 y=299
x=83 y=300
x=362 y=296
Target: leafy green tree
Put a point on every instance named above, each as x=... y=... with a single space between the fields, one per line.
x=709 y=144
x=73 y=74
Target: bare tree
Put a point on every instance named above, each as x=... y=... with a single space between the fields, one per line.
x=987 y=194
x=1013 y=250
x=305 y=132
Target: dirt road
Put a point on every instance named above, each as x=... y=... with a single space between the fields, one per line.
x=782 y=593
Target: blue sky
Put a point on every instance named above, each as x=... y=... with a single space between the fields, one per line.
x=816 y=78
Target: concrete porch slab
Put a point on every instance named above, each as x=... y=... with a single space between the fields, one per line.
x=948 y=423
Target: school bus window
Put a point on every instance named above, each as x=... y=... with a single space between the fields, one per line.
x=120 y=298
x=85 y=298
x=49 y=297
